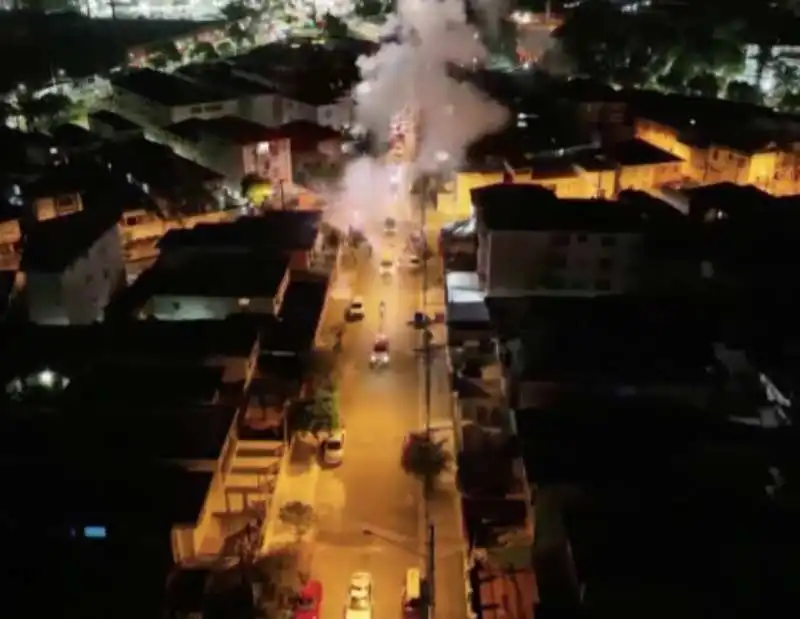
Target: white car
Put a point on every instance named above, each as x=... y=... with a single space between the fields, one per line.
x=386 y=267
x=356 y=309
x=379 y=357
x=359 y=597
x=333 y=448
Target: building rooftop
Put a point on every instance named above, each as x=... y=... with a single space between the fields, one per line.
x=55 y=244
x=227 y=128
x=222 y=76
x=113 y=120
x=94 y=431
x=74 y=348
x=638 y=152
x=300 y=315
x=508 y=206
x=218 y=274
x=486 y=464
x=110 y=497
x=273 y=232
x=178 y=385
x=622 y=339
x=170 y=89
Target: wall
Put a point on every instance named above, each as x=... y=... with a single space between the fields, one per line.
x=176 y=307
x=90 y=283
x=215 y=109
x=336 y=115
x=81 y=293
x=571 y=263
x=298 y=110
x=649 y=175
x=266 y=109
x=45 y=299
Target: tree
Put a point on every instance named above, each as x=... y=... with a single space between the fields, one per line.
x=240 y=36
x=203 y=50
x=790 y=102
x=46 y=111
x=225 y=48
x=334 y=27
x=372 y=8
x=425 y=458
x=236 y=11
x=164 y=53
x=743 y=93
x=321 y=413
x=703 y=85
x=298 y=515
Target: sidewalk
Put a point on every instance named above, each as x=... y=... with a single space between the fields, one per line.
x=297 y=482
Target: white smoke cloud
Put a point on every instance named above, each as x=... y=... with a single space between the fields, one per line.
x=318 y=8
x=414 y=73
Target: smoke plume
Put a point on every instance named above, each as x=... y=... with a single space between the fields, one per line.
x=413 y=72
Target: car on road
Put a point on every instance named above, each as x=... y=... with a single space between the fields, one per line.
x=386 y=267
x=333 y=448
x=390 y=226
x=309 y=601
x=379 y=357
x=359 y=597
x=355 y=311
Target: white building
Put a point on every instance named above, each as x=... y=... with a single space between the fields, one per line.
x=530 y=242
x=160 y=99
x=72 y=266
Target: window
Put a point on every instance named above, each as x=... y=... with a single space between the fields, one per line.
x=605 y=264
x=196 y=109
x=106 y=274
x=608 y=241
x=64 y=201
x=582 y=238
x=559 y=240
x=131 y=220
x=176 y=306
x=213 y=108
x=603 y=284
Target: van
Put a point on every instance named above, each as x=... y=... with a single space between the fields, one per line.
x=412 y=594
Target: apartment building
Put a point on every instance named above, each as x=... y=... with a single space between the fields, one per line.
x=719 y=143
x=72 y=265
x=583 y=173
x=531 y=242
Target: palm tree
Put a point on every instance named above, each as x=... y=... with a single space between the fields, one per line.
x=425 y=458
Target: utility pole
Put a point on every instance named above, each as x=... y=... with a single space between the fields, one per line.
x=427 y=337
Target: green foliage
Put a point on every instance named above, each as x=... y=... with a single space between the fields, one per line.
x=373 y=8
x=298 y=515
x=239 y=35
x=236 y=11
x=678 y=54
x=321 y=413
x=743 y=93
x=790 y=102
x=168 y=50
x=46 y=111
x=335 y=27
x=425 y=458
x=703 y=85
x=204 y=51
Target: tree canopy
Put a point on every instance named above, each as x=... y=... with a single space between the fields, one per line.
x=692 y=52
x=425 y=458
x=321 y=413
x=298 y=515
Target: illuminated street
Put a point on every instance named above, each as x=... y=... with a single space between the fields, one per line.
x=378 y=408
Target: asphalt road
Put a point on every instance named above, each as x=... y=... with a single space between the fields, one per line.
x=370 y=490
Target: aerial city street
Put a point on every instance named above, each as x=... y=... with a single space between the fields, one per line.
x=422 y=309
